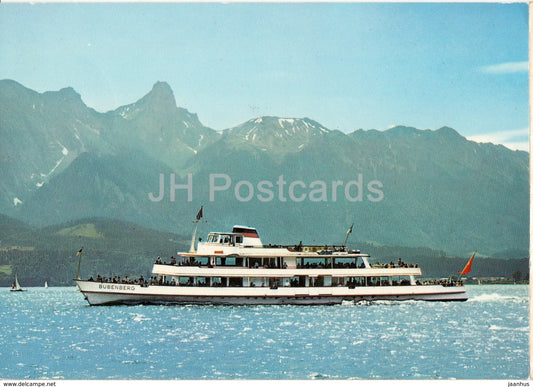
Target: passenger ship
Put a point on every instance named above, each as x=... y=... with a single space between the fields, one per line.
x=236 y=268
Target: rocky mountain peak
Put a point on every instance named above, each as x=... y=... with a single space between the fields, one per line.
x=402 y=131
x=278 y=136
x=161 y=95
x=448 y=132
x=65 y=95
x=160 y=101
x=281 y=128
x=162 y=90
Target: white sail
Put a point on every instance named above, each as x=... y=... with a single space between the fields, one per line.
x=16 y=286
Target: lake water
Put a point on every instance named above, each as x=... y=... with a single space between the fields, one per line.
x=53 y=334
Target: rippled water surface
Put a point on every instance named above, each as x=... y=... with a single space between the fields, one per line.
x=53 y=333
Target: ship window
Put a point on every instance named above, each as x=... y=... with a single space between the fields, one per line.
x=238 y=239
x=235 y=282
x=224 y=239
x=212 y=238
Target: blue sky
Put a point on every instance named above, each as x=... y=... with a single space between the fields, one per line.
x=348 y=66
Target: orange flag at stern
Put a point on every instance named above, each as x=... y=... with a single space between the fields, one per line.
x=468 y=266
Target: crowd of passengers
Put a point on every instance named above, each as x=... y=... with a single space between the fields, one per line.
x=376 y=282
x=351 y=283
x=155 y=280
x=337 y=265
x=444 y=282
x=392 y=265
x=320 y=249
x=125 y=280
x=188 y=262
x=192 y=262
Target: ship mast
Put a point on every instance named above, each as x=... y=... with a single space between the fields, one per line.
x=196 y=221
x=78 y=254
x=347 y=235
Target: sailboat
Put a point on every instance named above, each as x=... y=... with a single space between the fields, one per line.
x=46 y=284
x=16 y=286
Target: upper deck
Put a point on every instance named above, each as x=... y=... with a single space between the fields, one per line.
x=245 y=242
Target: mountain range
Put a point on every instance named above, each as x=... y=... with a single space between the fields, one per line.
x=292 y=178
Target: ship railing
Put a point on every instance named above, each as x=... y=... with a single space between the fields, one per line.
x=443 y=282
x=321 y=249
x=391 y=265
x=351 y=284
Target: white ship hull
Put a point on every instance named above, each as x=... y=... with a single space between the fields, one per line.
x=235 y=268
x=108 y=294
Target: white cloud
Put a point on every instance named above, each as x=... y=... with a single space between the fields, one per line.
x=506 y=68
x=513 y=139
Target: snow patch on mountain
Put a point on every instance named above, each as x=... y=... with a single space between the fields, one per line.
x=282 y=121
x=64 y=150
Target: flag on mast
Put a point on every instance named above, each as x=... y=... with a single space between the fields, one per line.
x=200 y=213
x=197 y=220
x=468 y=267
x=348 y=234
x=350 y=230
x=78 y=254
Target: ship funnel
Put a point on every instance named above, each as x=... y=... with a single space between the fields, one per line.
x=250 y=235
